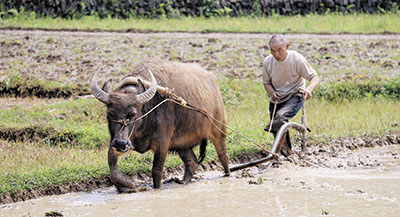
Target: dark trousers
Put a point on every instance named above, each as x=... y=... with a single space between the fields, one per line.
x=284 y=112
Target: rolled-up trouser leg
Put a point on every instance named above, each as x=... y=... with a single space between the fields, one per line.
x=284 y=112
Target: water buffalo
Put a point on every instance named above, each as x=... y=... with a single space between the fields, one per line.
x=170 y=127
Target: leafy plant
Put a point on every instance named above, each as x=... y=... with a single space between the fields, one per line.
x=353 y=90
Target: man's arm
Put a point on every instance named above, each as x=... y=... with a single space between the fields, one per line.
x=275 y=96
x=313 y=84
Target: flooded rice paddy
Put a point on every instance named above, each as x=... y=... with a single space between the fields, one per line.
x=284 y=190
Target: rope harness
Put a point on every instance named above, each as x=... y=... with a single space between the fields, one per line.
x=125 y=122
x=180 y=101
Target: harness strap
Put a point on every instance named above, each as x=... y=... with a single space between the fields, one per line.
x=125 y=122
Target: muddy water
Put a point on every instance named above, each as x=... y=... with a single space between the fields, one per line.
x=285 y=191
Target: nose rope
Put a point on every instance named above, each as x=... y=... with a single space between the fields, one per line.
x=125 y=122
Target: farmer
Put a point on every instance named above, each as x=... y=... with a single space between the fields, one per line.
x=284 y=74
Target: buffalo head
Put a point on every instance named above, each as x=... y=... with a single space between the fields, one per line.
x=124 y=105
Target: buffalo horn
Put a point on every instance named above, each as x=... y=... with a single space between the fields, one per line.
x=134 y=81
x=149 y=93
x=97 y=91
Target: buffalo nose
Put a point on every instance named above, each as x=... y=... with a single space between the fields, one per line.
x=121 y=145
x=121 y=142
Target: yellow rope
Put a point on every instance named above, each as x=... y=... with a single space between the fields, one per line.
x=210 y=117
x=180 y=101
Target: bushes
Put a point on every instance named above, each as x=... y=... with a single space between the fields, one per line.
x=114 y=8
x=353 y=90
x=174 y=8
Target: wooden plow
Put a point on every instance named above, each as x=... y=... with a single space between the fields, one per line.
x=279 y=141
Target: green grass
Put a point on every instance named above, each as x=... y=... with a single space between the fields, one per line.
x=82 y=123
x=338 y=91
x=31 y=166
x=361 y=116
x=28 y=165
x=331 y=23
x=16 y=85
x=79 y=123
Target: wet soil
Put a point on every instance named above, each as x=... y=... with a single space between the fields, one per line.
x=290 y=190
x=335 y=154
x=73 y=57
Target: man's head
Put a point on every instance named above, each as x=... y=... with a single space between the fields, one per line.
x=278 y=47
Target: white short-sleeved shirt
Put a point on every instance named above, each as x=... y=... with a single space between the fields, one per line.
x=287 y=77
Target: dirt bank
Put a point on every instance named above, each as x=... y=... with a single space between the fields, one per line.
x=334 y=154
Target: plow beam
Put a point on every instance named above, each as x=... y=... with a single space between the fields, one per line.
x=277 y=145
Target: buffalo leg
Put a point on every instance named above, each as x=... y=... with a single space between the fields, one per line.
x=121 y=181
x=220 y=147
x=158 y=166
x=189 y=159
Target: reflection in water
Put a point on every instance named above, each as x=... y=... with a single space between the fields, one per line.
x=287 y=191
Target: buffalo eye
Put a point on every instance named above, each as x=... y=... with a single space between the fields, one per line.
x=130 y=115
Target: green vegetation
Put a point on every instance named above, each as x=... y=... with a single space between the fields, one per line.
x=75 y=123
x=17 y=86
x=28 y=165
x=330 y=23
x=359 y=90
x=373 y=115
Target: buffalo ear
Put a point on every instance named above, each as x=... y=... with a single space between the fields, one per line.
x=107 y=86
x=141 y=87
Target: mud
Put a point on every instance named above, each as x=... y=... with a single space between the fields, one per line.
x=336 y=154
x=290 y=190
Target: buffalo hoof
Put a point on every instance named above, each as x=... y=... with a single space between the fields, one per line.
x=133 y=190
x=126 y=190
x=176 y=180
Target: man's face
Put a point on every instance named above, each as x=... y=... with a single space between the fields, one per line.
x=279 y=50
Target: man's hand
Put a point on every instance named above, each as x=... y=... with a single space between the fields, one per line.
x=313 y=83
x=275 y=96
x=307 y=94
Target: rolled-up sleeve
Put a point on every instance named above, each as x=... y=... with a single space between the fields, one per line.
x=305 y=69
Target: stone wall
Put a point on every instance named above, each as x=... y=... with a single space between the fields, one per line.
x=207 y=8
